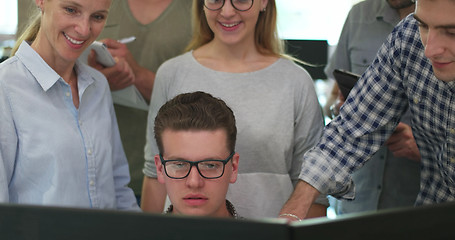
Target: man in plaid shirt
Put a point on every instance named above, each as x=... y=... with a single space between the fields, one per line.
x=415 y=67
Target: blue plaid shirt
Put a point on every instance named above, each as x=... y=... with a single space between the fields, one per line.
x=399 y=77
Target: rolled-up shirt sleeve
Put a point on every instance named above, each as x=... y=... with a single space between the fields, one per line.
x=366 y=120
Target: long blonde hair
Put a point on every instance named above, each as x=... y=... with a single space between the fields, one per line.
x=265 y=37
x=29 y=33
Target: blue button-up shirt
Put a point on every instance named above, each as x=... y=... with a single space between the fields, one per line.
x=399 y=77
x=52 y=153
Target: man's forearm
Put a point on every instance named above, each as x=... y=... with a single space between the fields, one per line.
x=300 y=201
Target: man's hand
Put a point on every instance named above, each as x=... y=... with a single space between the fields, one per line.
x=402 y=143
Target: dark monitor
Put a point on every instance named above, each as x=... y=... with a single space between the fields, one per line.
x=424 y=222
x=45 y=223
x=310 y=51
x=42 y=223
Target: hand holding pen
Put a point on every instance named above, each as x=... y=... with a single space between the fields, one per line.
x=127 y=40
x=118 y=48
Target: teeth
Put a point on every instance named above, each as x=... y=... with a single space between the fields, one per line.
x=229 y=25
x=72 y=40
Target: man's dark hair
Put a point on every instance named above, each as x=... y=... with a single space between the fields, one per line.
x=195 y=111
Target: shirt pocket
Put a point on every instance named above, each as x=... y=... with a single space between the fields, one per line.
x=361 y=59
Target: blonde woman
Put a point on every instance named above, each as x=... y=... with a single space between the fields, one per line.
x=59 y=141
x=235 y=54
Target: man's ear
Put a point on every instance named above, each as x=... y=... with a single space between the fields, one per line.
x=159 y=169
x=235 y=167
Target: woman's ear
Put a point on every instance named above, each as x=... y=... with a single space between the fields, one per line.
x=40 y=4
x=264 y=4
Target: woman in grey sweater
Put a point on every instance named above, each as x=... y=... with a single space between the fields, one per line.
x=235 y=55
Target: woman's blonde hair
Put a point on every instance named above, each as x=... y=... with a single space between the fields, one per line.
x=265 y=37
x=29 y=33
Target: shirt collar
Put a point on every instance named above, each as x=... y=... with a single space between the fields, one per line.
x=388 y=14
x=84 y=75
x=44 y=74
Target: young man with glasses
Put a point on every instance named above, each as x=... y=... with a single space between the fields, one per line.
x=196 y=135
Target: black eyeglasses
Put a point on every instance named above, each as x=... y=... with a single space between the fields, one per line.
x=240 y=5
x=210 y=169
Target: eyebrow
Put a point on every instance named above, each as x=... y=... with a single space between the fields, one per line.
x=71 y=2
x=446 y=26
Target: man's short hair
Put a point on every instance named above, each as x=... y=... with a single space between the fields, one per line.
x=195 y=111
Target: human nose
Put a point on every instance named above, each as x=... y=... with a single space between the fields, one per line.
x=83 y=27
x=227 y=10
x=194 y=179
x=433 y=44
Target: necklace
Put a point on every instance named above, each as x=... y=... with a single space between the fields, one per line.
x=229 y=206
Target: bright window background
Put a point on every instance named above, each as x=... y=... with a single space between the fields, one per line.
x=8 y=23
x=310 y=19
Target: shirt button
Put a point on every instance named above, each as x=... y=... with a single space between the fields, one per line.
x=416 y=100
x=89 y=151
x=452 y=131
x=80 y=123
x=68 y=94
x=92 y=183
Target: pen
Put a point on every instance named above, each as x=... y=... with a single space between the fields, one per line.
x=127 y=40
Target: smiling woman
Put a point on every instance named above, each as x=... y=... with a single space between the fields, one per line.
x=70 y=154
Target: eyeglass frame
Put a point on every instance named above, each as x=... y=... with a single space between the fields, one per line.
x=222 y=5
x=195 y=163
